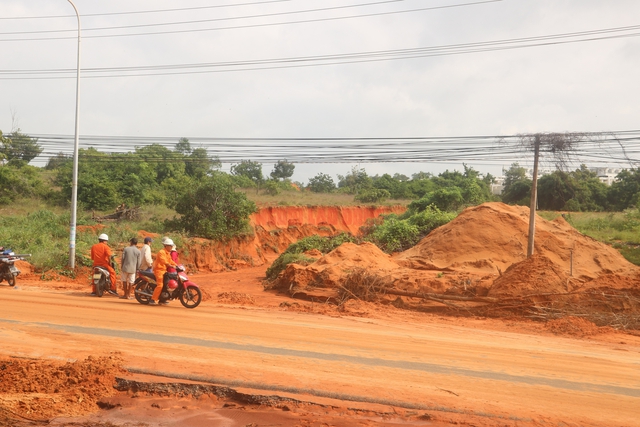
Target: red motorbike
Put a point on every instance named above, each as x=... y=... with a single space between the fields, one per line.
x=178 y=287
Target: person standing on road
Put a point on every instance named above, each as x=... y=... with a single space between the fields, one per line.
x=162 y=262
x=146 y=261
x=101 y=257
x=131 y=258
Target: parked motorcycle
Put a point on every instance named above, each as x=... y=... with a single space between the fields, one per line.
x=8 y=270
x=178 y=287
x=102 y=278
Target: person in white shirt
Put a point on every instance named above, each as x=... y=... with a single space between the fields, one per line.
x=147 y=260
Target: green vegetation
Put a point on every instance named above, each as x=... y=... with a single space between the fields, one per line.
x=44 y=233
x=212 y=208
x=182 y=191
x=398 y=233
x=295 y=252
x=390 y=233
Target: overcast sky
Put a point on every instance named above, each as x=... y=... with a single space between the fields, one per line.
x=582 y=86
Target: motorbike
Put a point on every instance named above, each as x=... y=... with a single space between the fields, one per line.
x=8 y=270
x=178 y=287
x=102 y=278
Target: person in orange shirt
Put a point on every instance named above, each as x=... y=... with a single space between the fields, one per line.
x=160 y=265
x=101 y=256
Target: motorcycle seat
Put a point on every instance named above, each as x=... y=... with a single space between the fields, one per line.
x=148 y=274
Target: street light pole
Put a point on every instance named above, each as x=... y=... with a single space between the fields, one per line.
x=74 y=183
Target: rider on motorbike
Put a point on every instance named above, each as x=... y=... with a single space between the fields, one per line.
x=160 y=265
x=101 y=256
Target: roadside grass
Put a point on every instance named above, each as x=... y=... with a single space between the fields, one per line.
x=31 y=227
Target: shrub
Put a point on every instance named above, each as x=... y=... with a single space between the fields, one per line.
x=430 y=219
x=375 y=195
x=285 y=259
x=394 y=235
x=213 y=209
x=295 y=252
x=271 y=188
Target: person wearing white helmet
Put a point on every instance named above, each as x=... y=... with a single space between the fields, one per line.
x=160 y=265
x=101 y=257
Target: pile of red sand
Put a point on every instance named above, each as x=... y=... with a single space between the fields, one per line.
x=329 y=270
x=39 y=389
x=486 y=246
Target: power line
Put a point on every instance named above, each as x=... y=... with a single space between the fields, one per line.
x=333 y=59
x=305 y=21
x=475 y=149
x=200 y=21
x=149 y=11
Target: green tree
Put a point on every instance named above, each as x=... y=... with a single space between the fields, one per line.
x=20 y=146
x=198 y=163
x=250 y=169
x=445 y=199
x=519 y=193
x=183 y=146
x=624 y=193
x=373 y=195
x=282 y=170
x=212 y=208
x=17 y=182
x=512 y=175
x=397 y=188
x=57 y=161
x=166 y=163
x=555 y=190
x=516 y=186
x=321 y=183
x=355 y=181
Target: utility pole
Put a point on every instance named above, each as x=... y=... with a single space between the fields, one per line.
x=74 y=183
x=534 y=196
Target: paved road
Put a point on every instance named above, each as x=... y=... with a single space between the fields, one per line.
x=424 y=366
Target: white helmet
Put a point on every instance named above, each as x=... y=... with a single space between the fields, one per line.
x=167 y=242
x=103 y=237
x=164 y=240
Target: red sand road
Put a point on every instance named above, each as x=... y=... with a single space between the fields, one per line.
x=473 y=372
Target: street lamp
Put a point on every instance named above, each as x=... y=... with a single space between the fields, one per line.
x=74 y=183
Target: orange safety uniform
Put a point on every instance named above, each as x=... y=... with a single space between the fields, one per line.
x=101 y=256
x=160 y=264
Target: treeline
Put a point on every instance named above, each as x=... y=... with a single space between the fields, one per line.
x=188 y=180
x=578 y=191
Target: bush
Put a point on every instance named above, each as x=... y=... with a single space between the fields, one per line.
x=323 y=244
x=213 y=209
x=430 y=219
x=394 y=235
x=375 y=195
x=285 y=259
x=295 y=252
x=271 y=188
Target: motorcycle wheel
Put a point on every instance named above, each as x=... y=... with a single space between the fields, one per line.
x=142 y=286
x=11 y=280
x=100 y=287
x=191 y=297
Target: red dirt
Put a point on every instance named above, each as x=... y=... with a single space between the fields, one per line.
x=484 y=247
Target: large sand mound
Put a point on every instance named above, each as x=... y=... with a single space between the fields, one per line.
x=493 y=236
x=482 y=253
